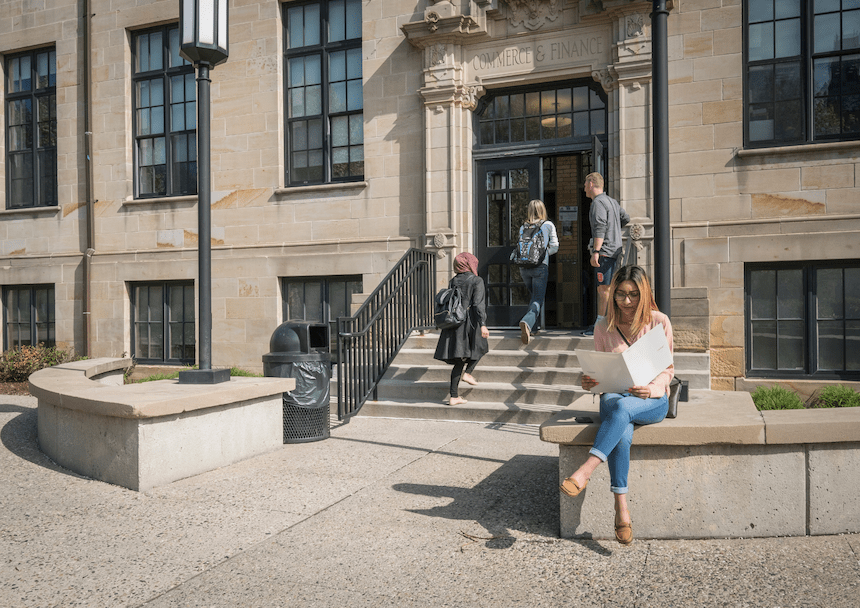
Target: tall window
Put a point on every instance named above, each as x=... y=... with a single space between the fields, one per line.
x=802 y=71
x=29 y=316
x=31 y=129
x=165 y=116
x=325 y=122
x=163 y=322
x=321 y=300
x=803 y=319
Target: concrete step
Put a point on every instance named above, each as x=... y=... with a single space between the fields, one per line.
x=508 y=339
x=485 y=392
x=440 y=372
x=473 y=411
x=497 y=358
x=689 y=362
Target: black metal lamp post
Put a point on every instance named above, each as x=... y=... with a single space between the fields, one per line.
x=660 y=106
x=203 y=30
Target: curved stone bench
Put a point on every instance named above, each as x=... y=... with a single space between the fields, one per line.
x=720 y=469
x=140 y=436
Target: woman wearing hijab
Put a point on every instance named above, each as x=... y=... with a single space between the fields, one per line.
x=464 y=345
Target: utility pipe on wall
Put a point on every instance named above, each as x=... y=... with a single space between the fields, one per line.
x=86 y=295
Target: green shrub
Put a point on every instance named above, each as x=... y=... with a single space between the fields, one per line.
x=837 y=396
x=17 y=364
x=776 y=398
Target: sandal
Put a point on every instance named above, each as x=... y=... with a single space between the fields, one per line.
x=569 y=487
x=624 y=532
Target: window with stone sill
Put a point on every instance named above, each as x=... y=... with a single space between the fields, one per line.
x=162 y=320
x=31 y=129
x=29 y=319
x=324 y=97
x=803 y=320
x=802 y=72
x=164 y=94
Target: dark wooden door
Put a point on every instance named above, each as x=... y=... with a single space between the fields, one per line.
x=504 y=189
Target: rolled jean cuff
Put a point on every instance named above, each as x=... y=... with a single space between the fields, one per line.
x=615 y=490
x=598 y=453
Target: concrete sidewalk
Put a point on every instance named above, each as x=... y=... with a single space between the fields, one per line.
x=384 y=513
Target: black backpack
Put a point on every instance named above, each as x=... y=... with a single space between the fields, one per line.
x=531 y=246
x=449 y=311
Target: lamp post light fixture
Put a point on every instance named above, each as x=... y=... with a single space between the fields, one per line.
x=203 y=29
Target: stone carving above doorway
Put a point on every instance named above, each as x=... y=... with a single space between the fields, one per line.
x=532 y=14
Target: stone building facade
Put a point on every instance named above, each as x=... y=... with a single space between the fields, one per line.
x=465 y=110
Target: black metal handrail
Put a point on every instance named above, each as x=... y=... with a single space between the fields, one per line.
x=368 y=341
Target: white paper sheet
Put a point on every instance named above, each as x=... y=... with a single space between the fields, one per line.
x=636 y=366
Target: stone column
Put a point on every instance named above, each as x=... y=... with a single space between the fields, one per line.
x=627 y=84
x=448 y=105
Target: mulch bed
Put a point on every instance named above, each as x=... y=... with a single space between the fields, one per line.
x=14 y=388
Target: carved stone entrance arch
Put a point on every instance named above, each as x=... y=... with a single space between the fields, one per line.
x=472 y=45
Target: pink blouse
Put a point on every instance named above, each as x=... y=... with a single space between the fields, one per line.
x=612 y=342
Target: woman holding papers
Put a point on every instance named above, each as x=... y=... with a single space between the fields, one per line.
x=633 y=314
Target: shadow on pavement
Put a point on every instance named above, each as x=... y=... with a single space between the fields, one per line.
x=19 y=436
x=521 y=495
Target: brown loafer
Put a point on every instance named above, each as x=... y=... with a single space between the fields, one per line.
x=569 y=487
x=624 y=532
x=525 y=333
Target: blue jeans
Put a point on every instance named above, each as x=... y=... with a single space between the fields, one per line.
x=618 y=414
x=535 y=280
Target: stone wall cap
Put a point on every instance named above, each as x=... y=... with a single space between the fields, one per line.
x=709 y=417
x=68 y=386
x=818 y=425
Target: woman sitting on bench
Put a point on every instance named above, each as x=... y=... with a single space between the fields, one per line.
x=634 y=313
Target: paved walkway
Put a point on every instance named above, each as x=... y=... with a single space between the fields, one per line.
x=385 y=513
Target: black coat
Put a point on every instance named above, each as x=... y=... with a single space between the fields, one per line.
x=465 y=341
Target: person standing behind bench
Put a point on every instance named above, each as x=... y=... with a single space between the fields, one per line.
x=537 y=278
x=464 y=345
x=607 y=218
x=633 y=313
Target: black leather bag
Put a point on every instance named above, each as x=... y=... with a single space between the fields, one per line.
x=674 y=397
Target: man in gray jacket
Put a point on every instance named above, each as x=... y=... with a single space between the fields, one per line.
x=607 y=218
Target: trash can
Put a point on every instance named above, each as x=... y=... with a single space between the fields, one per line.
x=299 y=350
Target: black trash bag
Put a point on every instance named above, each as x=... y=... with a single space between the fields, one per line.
x=313 y=385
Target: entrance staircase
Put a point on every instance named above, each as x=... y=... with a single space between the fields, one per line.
x=517 y=384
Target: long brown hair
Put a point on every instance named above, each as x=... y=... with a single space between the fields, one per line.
x=646 y=298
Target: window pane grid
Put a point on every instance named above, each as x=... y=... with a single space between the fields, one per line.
x=576 y=112
x=164 y=326
x=165 y=116
x=804 y=320
x=29 y=316
x=31 y=129
x=324 y=98
x=816 y=96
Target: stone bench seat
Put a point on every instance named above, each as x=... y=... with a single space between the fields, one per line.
x=144 y=435
x=720 y=469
